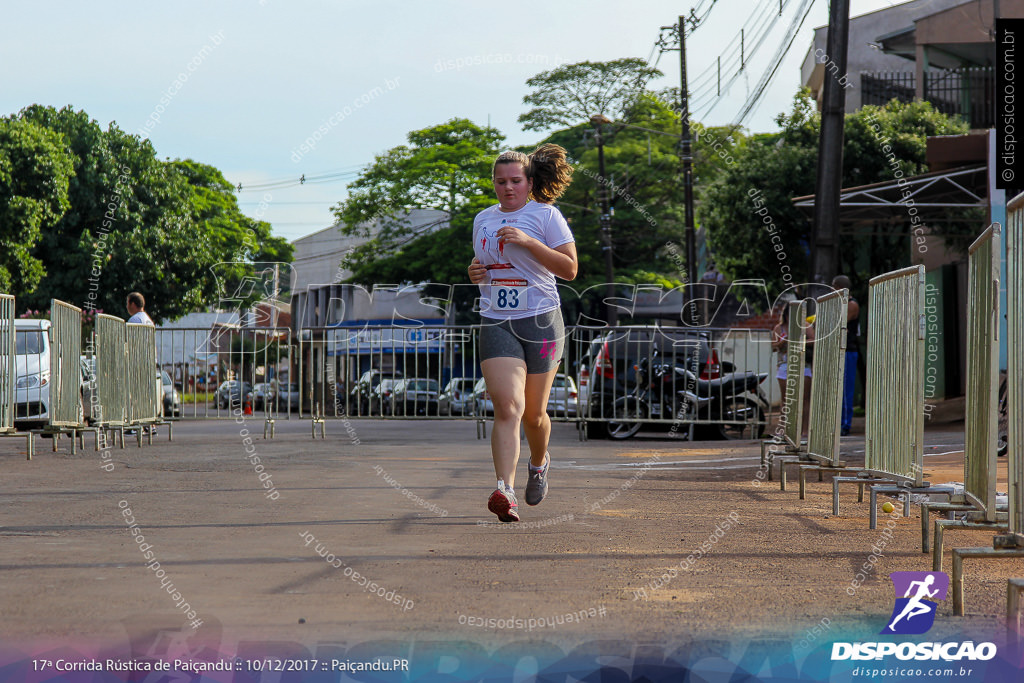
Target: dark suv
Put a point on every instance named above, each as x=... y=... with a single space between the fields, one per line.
x=608 y=369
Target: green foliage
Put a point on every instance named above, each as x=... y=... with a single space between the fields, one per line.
x=778 y=167
x=571 y=93
x=446 y=168
x=134 y=222
x=35 y=167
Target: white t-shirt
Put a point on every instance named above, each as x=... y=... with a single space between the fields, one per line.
x=141 y=317
x=519 y=286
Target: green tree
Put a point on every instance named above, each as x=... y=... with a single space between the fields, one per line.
x=137 y=223
x=246 y=245
x=757 y=191
x=572 y=93
x=35 y=167
x=445 y=167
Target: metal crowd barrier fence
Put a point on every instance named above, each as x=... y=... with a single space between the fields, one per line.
x=415 y=371
x=979 y=498
x=787 y=441
x=227 y=370
x=143 y=388
x=1010 y=544
x=65 y=409
x=828 y=371
x=392 y=372
x=894 y=446
x=111 y=372
x=982 y=373
x=1015 y=368
x=8 y=366
x=9 y=372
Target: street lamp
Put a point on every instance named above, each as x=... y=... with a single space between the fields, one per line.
x=599 y=120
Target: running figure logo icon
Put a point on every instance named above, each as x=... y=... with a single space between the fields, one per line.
x=547 y=349
x=914 y=612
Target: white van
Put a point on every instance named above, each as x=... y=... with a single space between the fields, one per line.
x=32 y=372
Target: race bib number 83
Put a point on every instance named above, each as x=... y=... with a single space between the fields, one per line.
x=508 y=295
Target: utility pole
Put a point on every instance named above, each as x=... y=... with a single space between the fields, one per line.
x=828 y=185
x=599 y=120
x=686 y=156
x=686 y=142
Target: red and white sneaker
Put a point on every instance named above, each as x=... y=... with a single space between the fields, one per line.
x=503 y=503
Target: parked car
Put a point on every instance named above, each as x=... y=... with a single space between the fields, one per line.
x=32 y=372
x=289 y=398
x=263 y=395
x=232 y=392
x=366 y=386
x=89 y=398
x=171 y=397
x=482 y=403
x=457 y=397
x=380 y=398
x=562 y=400
x=414 y=396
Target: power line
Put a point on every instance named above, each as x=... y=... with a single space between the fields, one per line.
x=766 y=78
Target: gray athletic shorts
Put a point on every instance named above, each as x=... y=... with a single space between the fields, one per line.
x=538 y=341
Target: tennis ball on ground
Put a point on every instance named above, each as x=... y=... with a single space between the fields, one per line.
x=888 y=507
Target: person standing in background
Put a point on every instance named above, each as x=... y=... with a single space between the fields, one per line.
x=852 y=352
x=136 y=305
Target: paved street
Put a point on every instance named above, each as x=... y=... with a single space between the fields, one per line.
x=643 y=541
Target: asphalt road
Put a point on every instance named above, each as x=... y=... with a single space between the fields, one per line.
x=380 y=532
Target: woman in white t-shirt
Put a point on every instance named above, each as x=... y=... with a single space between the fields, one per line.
x=522 y=244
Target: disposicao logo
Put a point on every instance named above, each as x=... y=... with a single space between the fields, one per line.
x=914 y=612
x=917 y=597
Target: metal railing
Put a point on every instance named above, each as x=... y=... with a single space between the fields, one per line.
x=65 y=409
x=110 y=372
x=1015 y=368
x=143 y=382
x=787 y=438
x=982 y=372
x=894 y=444
x=828 y=371
x=8 y=367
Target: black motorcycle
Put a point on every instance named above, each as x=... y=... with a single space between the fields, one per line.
x=732 y=405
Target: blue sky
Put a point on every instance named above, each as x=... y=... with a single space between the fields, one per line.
x=262 y=76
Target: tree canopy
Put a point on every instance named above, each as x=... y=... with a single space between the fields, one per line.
x=571 y=93
x=35 y=169
x=133 y=222
x=446 y=168
x=750 y=202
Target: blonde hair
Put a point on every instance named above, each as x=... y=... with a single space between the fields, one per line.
x=547 y=166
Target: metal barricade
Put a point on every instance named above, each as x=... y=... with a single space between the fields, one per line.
x=828 y=371
x=65 y=409
x=111 y=368
x=143 y=388
x=392 y=372
x=7 y=363
x=894 y=445
x=9 y=373
x=1015 y=367
x=787 y=440
x=227 y=370
x=982 y=373
x=1010 y=544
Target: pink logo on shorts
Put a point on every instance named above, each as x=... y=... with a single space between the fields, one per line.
x=547 y=349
